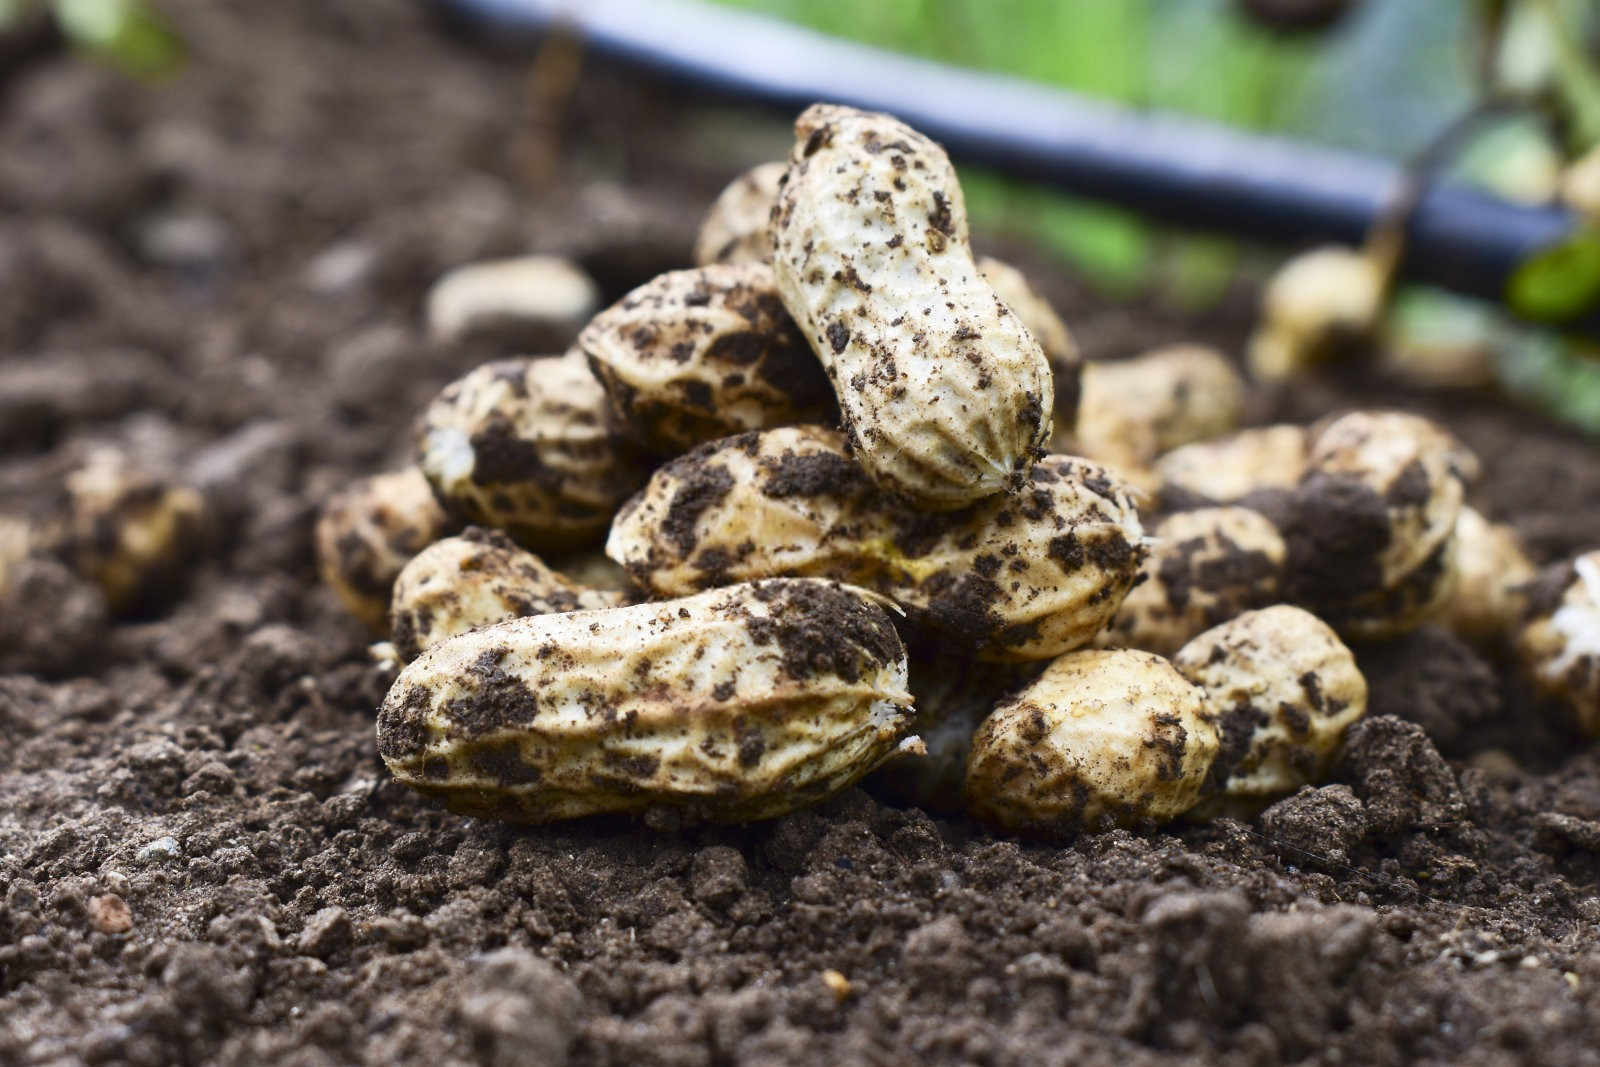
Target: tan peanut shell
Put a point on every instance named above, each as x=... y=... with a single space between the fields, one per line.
x=1411 y=463
x=129 y=531
x=1285 y=689
x=1016 y=577
x=367 y=533
x=1423 y=595
x=735 y=704
x=524 y=445
x=1226 y=469
x=1560 y=643
x=694 y=355
x=1066 y=361
x=477 y=579
x=944 y=393
x=1131 y=411
x=1101 y=738
x=536 y=300
x=1491 y=565
x=1370 y=524
x=1317 y=301
x=735 y=229
x=1205 y=566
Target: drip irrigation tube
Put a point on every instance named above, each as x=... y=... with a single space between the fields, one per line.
x=1182 y=170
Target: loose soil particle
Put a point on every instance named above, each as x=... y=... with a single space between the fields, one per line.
x=202 y=861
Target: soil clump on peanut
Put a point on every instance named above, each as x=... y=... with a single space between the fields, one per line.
x=203 y=861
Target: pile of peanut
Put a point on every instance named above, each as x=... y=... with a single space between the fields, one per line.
x=872 y=513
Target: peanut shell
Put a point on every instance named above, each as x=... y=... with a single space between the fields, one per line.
x=736 y=704
x=524 y=445
x=1100 y=739
x=1041 y=320
x=131 y=532
x=478 y=579
x=1317 y=301
x=694 y=355
x=1226 y=469
x=944 y=393
x=1285 y=689
x=1205 y=567
x=1010 y=578
x=367 y=533
x=735 y=229
x=1133 y=410
x=1491 y=566
x=1560 y=643
x=1412 y=464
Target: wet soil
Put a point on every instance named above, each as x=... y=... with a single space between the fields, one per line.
x=202 y=860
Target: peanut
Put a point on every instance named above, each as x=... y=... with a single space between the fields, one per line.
x=694 y=355
x=1011 y=578
x=1205 y=567
x=1286 y=689
x=1041 y=320
x=1227 y=469
x=735 y=704
x=1317 y=302
x=1133 y=410
x=1369 y=525
x=129 y=531
x=1412 y=465
x=1100 y=739
x=735 y=230
x=1491 y=566
x=475 y=580
x=523 y=445
x=945 y=395
x=367 y=533
x=1560 y=643
x=1422 y=596
x=527 y=302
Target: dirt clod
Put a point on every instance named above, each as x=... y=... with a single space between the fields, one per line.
x=1317 y=826
x=1399 y=776
x=518 y=1009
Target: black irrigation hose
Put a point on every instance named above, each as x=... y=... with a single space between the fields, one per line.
x=1189 y=172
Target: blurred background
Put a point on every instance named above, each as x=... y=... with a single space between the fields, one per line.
x=1503 y=95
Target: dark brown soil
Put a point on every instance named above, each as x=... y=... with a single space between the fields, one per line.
x=202 y=860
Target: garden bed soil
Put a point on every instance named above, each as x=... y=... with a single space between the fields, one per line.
x=202 y=859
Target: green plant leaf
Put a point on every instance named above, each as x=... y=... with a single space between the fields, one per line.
x=1113 y=248
x=1576 y=76
x=1197 y=269
x=1558 y=375
x=125 y=32
x=1561 y=282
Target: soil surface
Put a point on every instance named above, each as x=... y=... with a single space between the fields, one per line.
x=203 y=861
